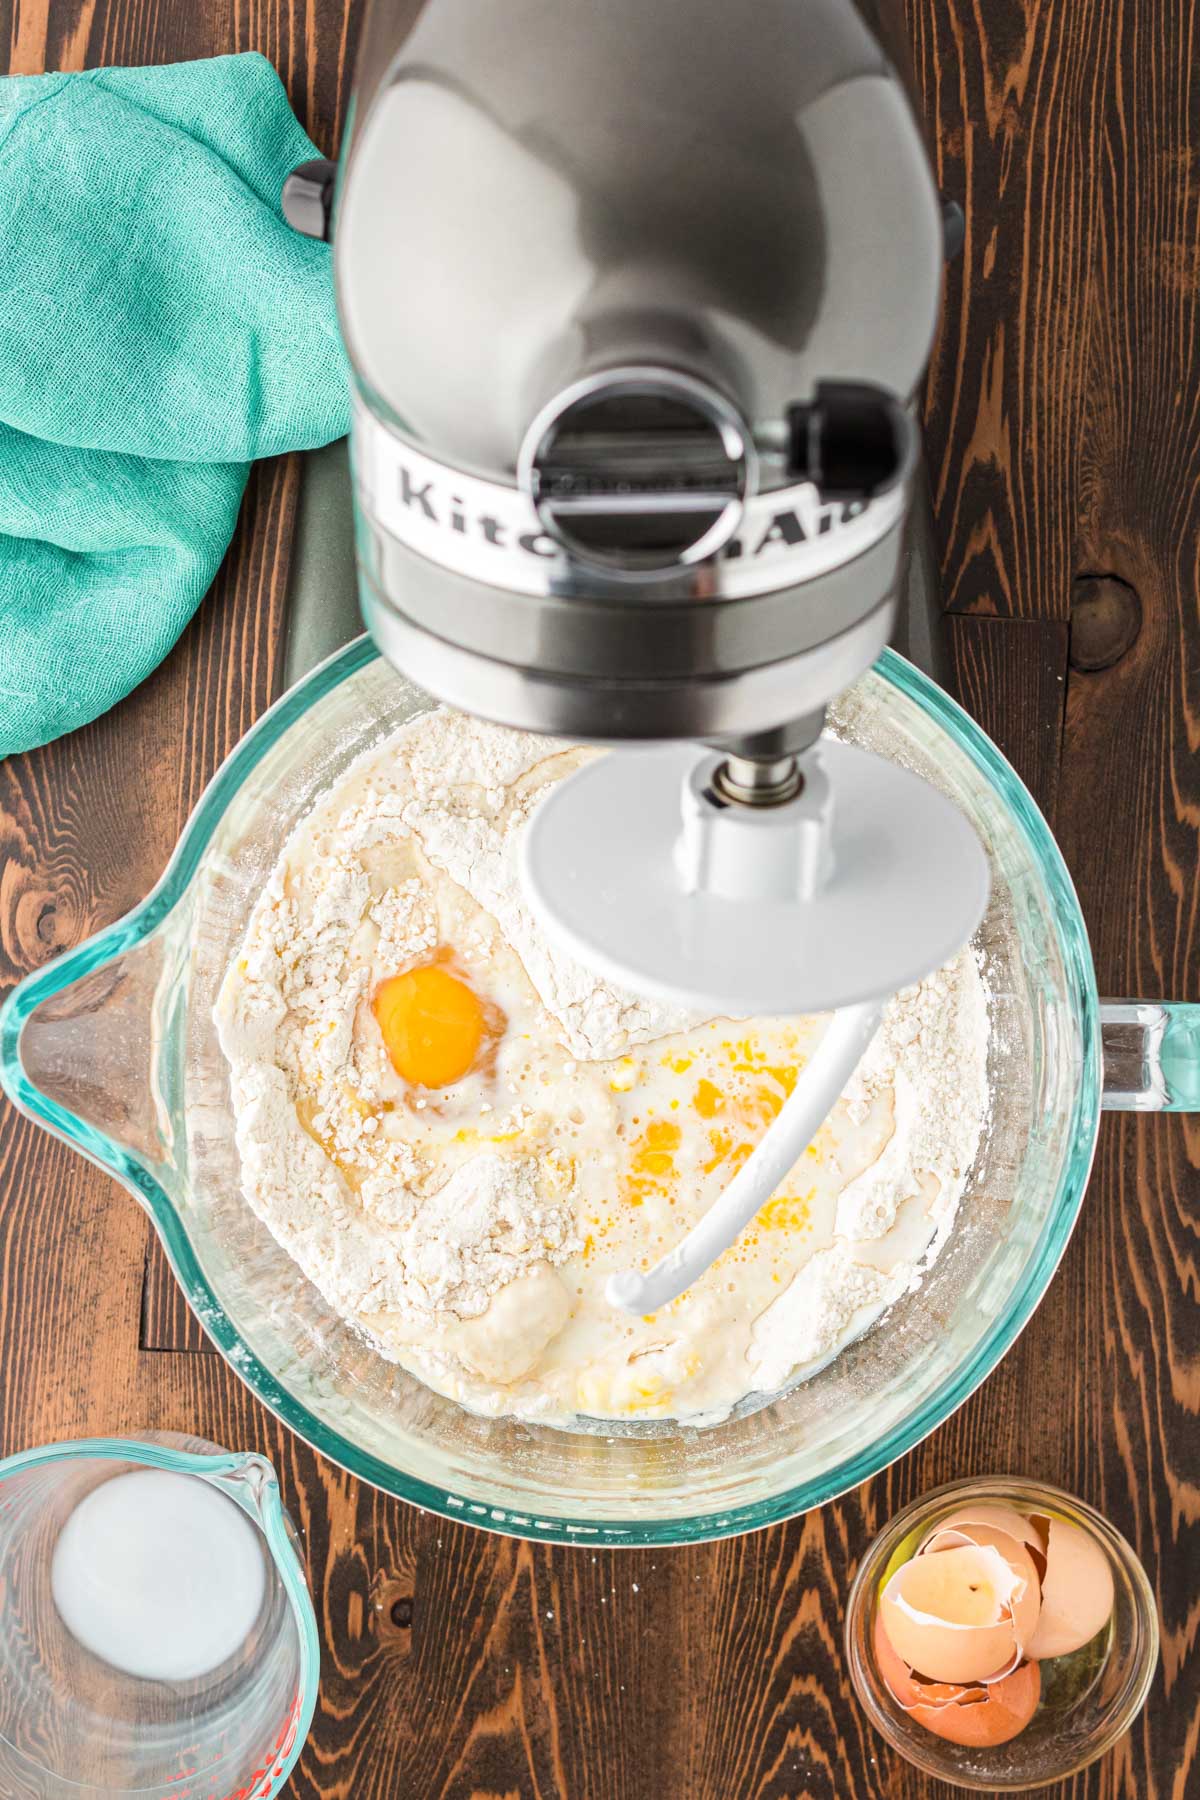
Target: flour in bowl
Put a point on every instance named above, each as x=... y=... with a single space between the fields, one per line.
x=458 y=1132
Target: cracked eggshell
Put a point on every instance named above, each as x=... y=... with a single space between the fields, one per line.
x=997 y=1517
x=1026 y=1602
x=905 y=1687
x=974 y=1716
x=1077 y=1591
x=946 y=1615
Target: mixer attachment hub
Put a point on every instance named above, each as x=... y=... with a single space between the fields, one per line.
x=743 y=840
x=757 y=781
x=865 y=880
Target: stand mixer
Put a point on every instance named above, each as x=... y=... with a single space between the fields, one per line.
x=636 y=303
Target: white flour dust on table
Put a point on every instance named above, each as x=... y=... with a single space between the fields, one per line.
x=459 y=1133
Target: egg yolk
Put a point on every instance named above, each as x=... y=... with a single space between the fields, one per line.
x=432 y=1025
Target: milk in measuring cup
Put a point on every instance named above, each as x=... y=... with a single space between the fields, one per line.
x=159 y=1574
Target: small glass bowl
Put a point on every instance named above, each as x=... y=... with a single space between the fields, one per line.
x=1067 y=1732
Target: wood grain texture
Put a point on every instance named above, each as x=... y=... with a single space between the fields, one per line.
x=1062 y=429
x=1064 y=393
x=1011 y=675
x=1064 y=413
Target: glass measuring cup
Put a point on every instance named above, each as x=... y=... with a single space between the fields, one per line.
x=113 y=1047
x=73 y=1724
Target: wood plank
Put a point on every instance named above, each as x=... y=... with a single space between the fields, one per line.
x=1011 y=676
x=1129 y=824
x=1064 y=419
x=167 y=1321
x=1063 y=407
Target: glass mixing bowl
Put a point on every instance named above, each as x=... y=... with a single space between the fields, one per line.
x=113 y=1047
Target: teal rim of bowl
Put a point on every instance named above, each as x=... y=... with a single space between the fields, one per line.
x=950 y=1394
x=269 y=1516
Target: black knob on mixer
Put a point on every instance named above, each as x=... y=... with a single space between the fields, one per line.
x=853 y=441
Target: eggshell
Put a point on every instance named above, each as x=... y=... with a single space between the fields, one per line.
x=998 y=1518
x=979 y=1724
x=976 y=1717
x=1077 y=1592
x=1026 y=1602
x=946 y=1615
x=907 y=1689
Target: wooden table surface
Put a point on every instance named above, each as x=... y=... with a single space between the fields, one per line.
x=1064 y=449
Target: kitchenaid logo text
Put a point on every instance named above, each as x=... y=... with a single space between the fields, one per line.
x=491 y=533
x=451 y=514
x=783 y=528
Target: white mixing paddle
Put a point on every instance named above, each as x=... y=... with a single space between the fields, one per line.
x=864 y=880
x=800 y=1118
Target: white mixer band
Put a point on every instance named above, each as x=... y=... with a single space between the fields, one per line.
x=491 y=532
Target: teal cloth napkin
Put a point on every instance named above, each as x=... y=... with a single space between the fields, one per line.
x=160 y=327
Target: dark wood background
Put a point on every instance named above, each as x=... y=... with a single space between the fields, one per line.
x=1064 y=447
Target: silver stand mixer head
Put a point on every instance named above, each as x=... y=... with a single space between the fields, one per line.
x=636 y=301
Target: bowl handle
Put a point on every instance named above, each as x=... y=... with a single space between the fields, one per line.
x=1151 y=1054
